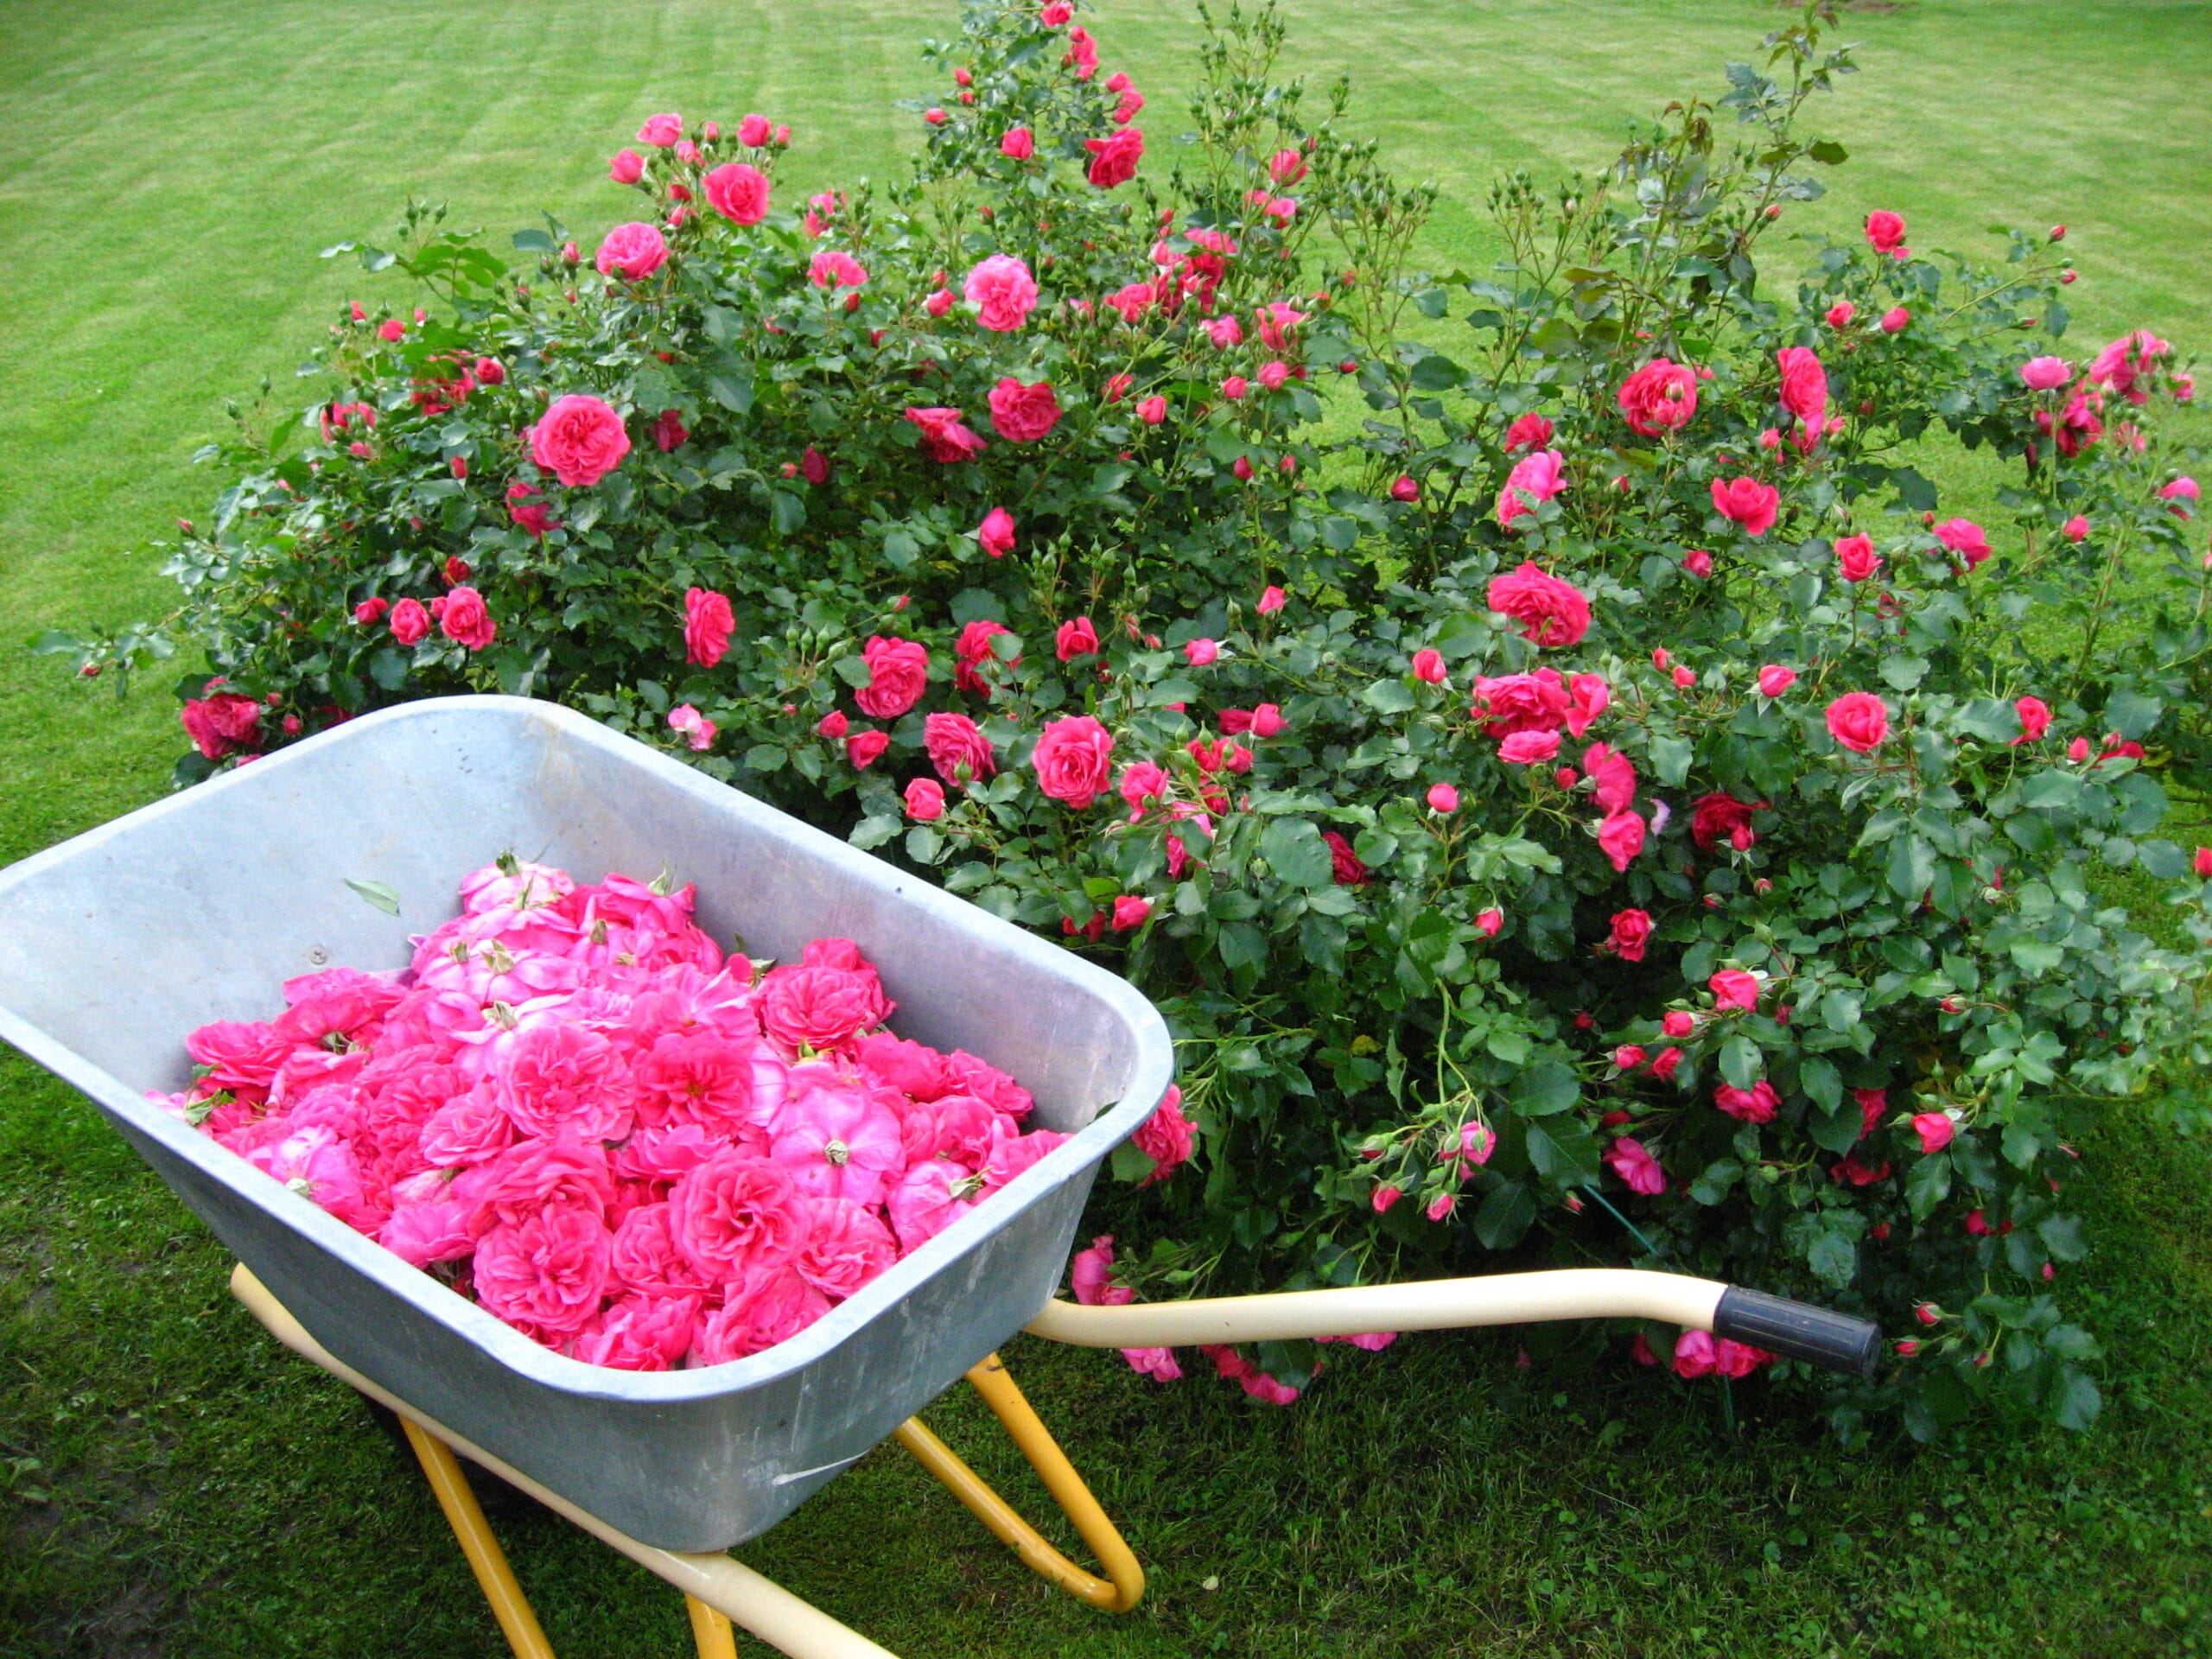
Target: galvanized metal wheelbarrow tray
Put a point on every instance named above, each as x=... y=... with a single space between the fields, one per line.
x=115 y=944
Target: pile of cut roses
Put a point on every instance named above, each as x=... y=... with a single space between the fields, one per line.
x=574 y=1110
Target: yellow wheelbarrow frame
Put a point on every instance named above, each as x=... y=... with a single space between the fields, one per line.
x=719 y=1590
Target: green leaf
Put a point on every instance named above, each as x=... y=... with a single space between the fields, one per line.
x=1545 y=1088
x=2075 y=1402
x=1926 y=1184
x=924 y=843
x=2061 y=1237
x=1295 y=851
x=388 y=668
x=1904 y=672
x=1241 y=946
x=873 y=832
x=1388 y=697
x=1833 y=1257
x=1130 y=1166
x=1741 y=1062
x=1505 y=1216
x=2132 y=714
x=2037 y=957
x=732 y=391
x=1670 y=759
x=375 y=893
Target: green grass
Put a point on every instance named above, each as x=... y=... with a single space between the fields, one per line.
x=174 y=1486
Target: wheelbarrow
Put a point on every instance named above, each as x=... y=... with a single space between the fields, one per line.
x=116 y=944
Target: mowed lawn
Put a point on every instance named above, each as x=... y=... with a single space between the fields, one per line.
x=171 y=1484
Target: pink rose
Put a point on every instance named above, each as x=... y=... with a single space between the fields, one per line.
x=1443 y=799
x=411 y=623
x=1775 y=679
x=2035 y=719
x=1529 y=431
x=694 y=727
x=821 y=1007
x=958 y=748
x=1855 y=557
x=1697 y=562
x=1534 y=479
x=1489 y=923
x=578 y=440
x=1528 y=748
x=1551 y=612
x=1071 y=759
x=1166 y=1137
x=1630 y=936
x=1731 y=987
x=1966 y=538
x=737 y=1217
x=754 y=132
x=1637 y=1166
x=1757 y=1104
x=434 y=1231
x=846 y=1247
x=1076 y=638
x=628 y=167
x=775 y=1308
x=1895 y=319
x=1114 y=160
x=738 y=192
x=996 y=533
x=1934 y=1130
x=708 y=623
x=1840 y=315
x=560 y=1078
x=218 y=724
x=1859 y=721
x=833 y=269
x=973 y=650
x=1152 y=411
x=1003 y=292
x=924 y=800
x=640 y=1333
x=2045 y=373
x=930 y=1198
x=945 y=437
x=545 y=1271
x=1717 y=817
x=1884 y=231
x=1659 y=397
x=697 y=1075
x=1130 y=911
x=1023 y=413
x=465 y=620
x=661 y=130
x=1746 y=502
x=1200 y=652
x=899 y=671
x=1428 y=667
x=838 y=1140
x=1019 y=144
x=643 y=1256
x=634 y=252
x=1620 y=837
x=1804 y=388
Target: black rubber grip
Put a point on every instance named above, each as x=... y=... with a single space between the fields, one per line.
x=1799 y=1331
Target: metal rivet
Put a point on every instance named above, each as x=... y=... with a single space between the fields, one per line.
x=317 y=955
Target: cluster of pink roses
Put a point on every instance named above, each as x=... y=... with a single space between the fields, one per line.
x=574 y=1110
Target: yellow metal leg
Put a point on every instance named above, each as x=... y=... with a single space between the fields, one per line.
x=710 y=1630
x=1123 y=1585
x=486 y=1559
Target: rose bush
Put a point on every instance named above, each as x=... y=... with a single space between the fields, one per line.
x=1563 y=781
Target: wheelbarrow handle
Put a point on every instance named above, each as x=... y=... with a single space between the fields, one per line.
x=1794 y=1330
